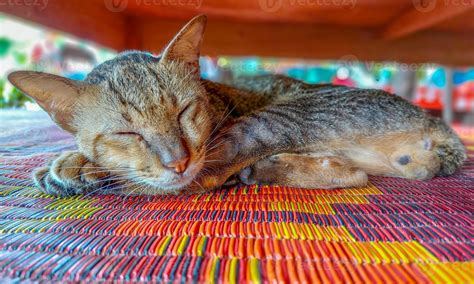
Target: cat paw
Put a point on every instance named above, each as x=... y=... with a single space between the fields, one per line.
x=246 y=176
x=416 y=162
x=271 y=170
x=69 y=174
x=48 y=185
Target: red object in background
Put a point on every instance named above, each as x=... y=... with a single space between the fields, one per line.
x=431 y=97
x=388 y=88
x=464 y=97
x=37 y=53
x=343 y=82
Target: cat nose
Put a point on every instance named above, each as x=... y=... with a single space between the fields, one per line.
x=174 y=155
x=178 y=165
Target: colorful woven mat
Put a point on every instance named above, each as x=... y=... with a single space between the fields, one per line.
x=391 y=231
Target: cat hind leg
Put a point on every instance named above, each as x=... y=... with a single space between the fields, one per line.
x=305 y=171
x=417 y=161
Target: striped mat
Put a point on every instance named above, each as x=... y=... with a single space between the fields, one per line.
x=390 y=231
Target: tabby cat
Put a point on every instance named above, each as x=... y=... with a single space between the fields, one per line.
x=149 y=124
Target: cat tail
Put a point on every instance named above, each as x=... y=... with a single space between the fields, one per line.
x=449 y=149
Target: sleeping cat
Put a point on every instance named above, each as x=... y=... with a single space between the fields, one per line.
x=149 y=124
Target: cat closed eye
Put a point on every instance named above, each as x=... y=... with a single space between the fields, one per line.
x=130 y=133
x=188 y=109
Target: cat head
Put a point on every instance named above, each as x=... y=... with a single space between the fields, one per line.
x=142 y=117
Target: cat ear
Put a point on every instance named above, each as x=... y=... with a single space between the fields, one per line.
x=56 y=95
x=186 y=45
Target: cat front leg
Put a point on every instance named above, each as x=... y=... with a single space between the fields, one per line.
x=69 y=174
x=280 y=128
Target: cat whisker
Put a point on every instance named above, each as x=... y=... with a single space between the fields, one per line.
x=99 y=189
x=132 y=191
x=93 y=192
x=219 y=138
x=102 y=168
x=108 y=188
x=214 y=153
x=219 y=143
x=217 y=126
x=212 y=161
x=223 y=117
x=89 y=173
x=103 y=184
x=211 y=149
x=200 y=186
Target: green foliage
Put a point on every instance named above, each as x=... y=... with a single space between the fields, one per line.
x=20 y=58
x=2 y=98
x=5 y=45
x=16 y=99
x=421 y=74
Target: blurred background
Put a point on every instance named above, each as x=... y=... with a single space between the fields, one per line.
x=443 y=91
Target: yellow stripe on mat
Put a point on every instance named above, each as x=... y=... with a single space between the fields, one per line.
x=449 y=272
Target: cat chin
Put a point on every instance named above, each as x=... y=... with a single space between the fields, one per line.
x=170 y=187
